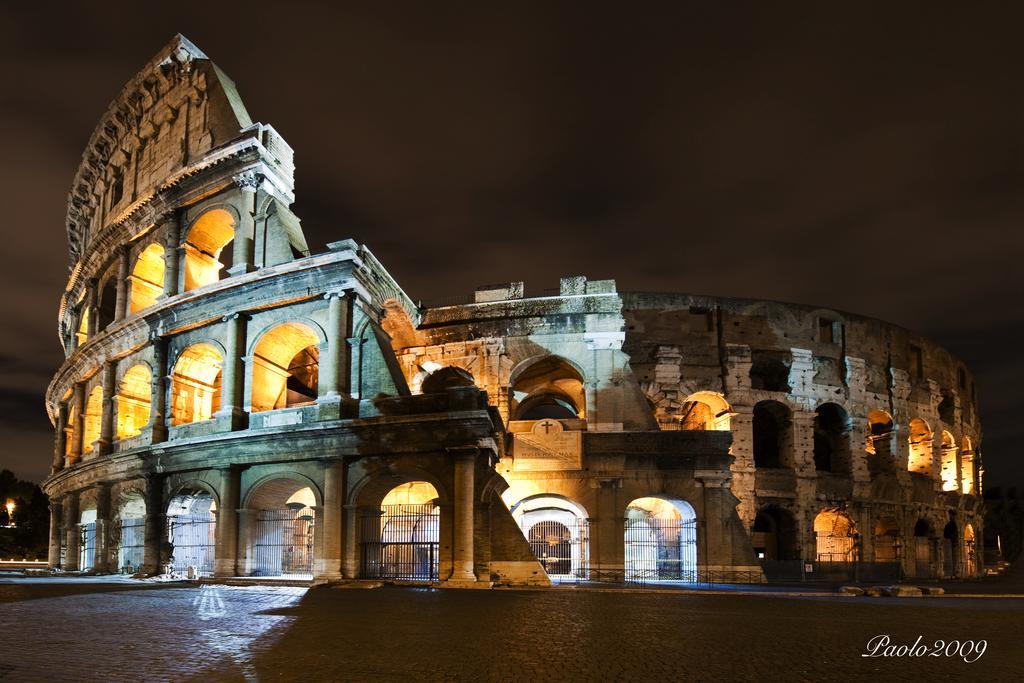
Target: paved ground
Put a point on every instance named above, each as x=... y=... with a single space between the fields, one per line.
x=92 y=629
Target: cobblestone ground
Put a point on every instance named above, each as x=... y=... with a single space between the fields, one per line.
x=94 y=631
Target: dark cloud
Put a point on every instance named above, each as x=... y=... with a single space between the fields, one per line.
x=866 y=159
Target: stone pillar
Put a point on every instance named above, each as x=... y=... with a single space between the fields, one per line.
x=60 y=442
x=242 y=245
x=158 y=394
x=608 y=532
x=155 y=526
x=71 y=531
x=53 y=557
x=465 y=463
x=172 y=254
x=350 y=542
x=232 y=385
x=103 y=561
x=121 y=298
x=226 y=554
x=109 y=406
x=94 y=315
x=78 y=397
x=334 y=360
x=329 y=563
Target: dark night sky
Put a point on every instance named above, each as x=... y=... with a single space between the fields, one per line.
x=867 y=160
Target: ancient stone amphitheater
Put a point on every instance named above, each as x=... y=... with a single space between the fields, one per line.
x=233 y=405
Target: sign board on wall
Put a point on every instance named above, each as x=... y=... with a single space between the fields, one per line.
x=547 y=447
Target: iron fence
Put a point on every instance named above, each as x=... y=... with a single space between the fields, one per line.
x=192 y=539
x=401 y=542
x=87 y=546
x=130 y=535
x=283 y=543
x=661 y=550
x=561 y=546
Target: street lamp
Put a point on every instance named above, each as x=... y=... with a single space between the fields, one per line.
x=10 y=512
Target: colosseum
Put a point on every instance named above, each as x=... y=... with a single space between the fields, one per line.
x=232 y=405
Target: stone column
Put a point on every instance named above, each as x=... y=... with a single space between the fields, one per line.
x=155 y=526
x=172 y=254
x=242 y=245
x=103 y=562
x=109 y=406
x=71 y=530
x=158 y=394
x=334 y=360
x=94 y=315
x=53 y=557
x=226 y=554
x=350 y=542
x=329 y=564
x=121 y=298
x=232 y=386
x=465 y=463
x=78 y=397
x=60 y=442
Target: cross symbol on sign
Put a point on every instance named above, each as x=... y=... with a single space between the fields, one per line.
x=546 y=424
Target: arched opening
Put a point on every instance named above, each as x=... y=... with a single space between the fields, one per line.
x=923 y=549
x=87 y=539
x=92 y=419
x=400 y=539
x=880 y=428
x=195 y=384
x=835 y=537
x=831 y=439
x=133 y=398
x=768 y=372
x=82 y=334
x=281 y=530
x=705 y=410
x=129 y=533
x=887 y=541
x=920 y=440
x=192 y=532
x=967 y=467
x=446 y=378
x=970 y=557
x=950 y=548
x=286 y=367
x=775 y=536
x=147 y=278
x=107 y=306
x=948 y=462
x=772 y=435
x=204 y=245
x=550 y=388
x=558 y=532
x=661 y=540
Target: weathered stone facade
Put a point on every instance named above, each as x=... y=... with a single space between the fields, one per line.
x=233 y=405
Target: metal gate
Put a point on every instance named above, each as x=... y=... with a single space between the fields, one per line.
x=283 y=543
x=192 y=539
x=661 y=550
x=560 y=546
x=130 y=533
x=835 y=548
x=923 y=557
x=401 y=542
x=87 y=546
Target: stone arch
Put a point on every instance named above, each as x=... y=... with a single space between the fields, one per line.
x=286 y=365
x=768 y=372
x=772 y=435
x=888 y=543
x=106 y=302
x=195 y=383
x=706 y=410
x=134 y=394
x=558 y=531
x=880 y=431
x=832 y=439
x=776 y=535
x=282 y=520
x=444 y=378
x=371 y=489
x=660 y=539
x=92 y=419
x=399 y=538
x=129 y=530
x=920 y=439
x=948 y=462
x=547 y=387
x=923 y=542
x=146 y=280
x=295 y=480
x=192 y=510
x=950 y=549
x=204 y=243
x=835 y=537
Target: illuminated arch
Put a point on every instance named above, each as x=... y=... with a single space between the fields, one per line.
x=281 y=535
x=446 y=378
x=660 y=540
x=887 y=541
x=549 y=387
x=967 y=477
x=835 y=537
x=920 y=440
x=880 y=429
x=948 y=462
x=706 y=410
x=195 y=384
x=129 y=532
x=286 y=367
x=92 y=419
x=400 y=539
x=133 y=401
x=207 y=237
x=192 y=528
x=558 y=532
x=147 y=278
